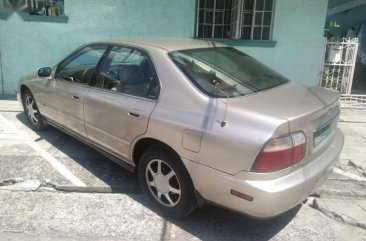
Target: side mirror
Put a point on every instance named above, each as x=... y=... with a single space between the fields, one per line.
x=44 y=72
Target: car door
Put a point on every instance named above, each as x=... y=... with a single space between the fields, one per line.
x=117 y=109
x=63 y=96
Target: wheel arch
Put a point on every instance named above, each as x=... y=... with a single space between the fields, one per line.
x=191 y=198
x=142 y=144
x=23 y=88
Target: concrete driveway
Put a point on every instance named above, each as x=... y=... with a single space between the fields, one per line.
x=53 y=187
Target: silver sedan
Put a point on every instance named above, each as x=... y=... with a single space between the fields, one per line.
x=197 y=121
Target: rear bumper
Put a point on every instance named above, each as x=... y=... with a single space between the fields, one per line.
x=270 y=197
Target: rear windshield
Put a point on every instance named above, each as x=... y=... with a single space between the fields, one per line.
x=225 y=72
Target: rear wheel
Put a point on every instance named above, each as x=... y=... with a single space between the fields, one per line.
x=166 y=182
x=34 y=117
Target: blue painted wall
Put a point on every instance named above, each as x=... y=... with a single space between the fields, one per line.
x=298 y=30
x=25 y=46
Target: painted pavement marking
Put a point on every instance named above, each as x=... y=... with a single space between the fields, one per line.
x=48 y=157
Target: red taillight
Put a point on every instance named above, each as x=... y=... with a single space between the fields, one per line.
x=281 y=152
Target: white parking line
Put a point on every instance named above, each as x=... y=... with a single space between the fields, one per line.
x=57 y=165
x=48 y=157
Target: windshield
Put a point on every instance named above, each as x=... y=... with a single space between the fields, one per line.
x=225 y=72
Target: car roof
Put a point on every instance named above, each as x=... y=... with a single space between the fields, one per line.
x=168 y=44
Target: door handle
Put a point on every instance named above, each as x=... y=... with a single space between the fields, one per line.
x=134 y=114
x=75 y=97
x=70 y=78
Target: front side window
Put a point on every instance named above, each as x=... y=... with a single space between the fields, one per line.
x=225 y=72
x=129 y=71
x=235 y=19
x=81 y=66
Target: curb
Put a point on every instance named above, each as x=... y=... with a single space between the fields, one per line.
x=99 y=189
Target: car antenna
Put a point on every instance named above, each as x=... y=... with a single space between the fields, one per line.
x=223 y=123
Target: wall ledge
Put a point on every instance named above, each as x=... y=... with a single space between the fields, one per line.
x=40 y=18
x=244 y=43
x=4 y=15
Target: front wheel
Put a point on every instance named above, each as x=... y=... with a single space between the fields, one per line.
x=166 y=182
x=34 y=117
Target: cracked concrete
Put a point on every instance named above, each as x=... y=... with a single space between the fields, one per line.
x=7 y=182
x=128 y=217
x=342 y=197
x=354 y=171
x=342 y=189
x=27 y=185
x=358 y=168
x=353 y=124
x=350 y=212
x=19 y=184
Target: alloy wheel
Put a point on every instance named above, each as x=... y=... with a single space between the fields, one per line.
x=32 y=111
x=163 y=183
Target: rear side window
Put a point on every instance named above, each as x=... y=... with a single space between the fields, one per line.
x=225 y=72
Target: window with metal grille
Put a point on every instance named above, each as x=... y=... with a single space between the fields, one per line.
x=235 y=19
x=45 y=7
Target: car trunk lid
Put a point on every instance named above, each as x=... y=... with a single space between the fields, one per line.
x=313 y=110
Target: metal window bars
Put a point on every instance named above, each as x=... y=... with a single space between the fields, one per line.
x=338 y=68
x=236 y=19
x=339 y=64
x=36 y=6
x=213 y=19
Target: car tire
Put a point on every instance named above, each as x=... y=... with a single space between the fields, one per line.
x=34 y=117
x=169 y=189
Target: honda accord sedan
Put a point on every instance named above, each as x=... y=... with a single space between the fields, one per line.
x=197 y=121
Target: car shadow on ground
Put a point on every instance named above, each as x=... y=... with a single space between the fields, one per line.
x=93 y=168
x=214 y=223
x=211 y=223
x=206 y=223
